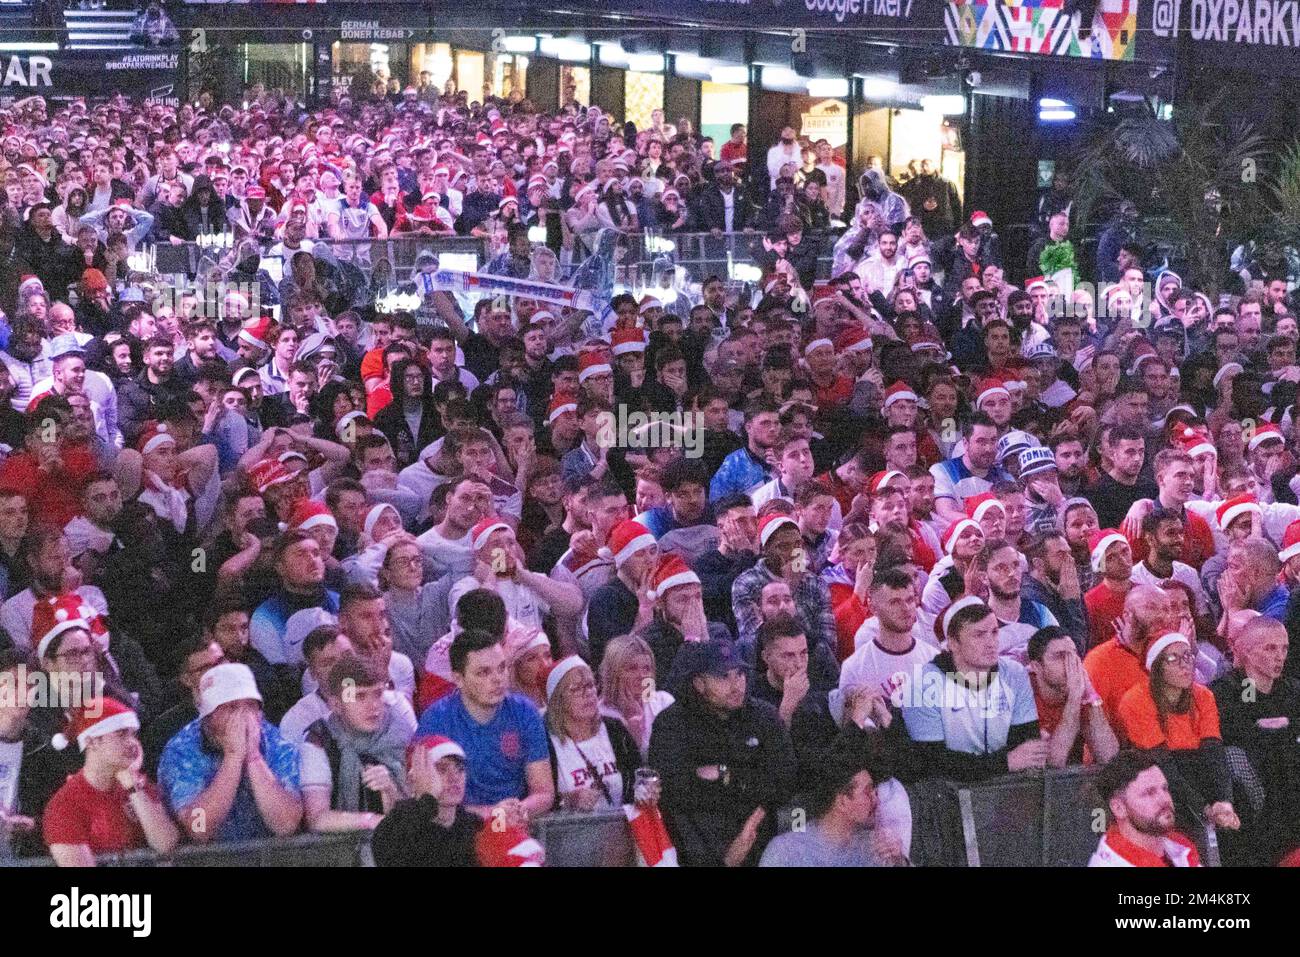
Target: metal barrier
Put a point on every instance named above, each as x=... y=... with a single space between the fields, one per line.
x=189 y=259
x=1047 y=819
x=599 y=839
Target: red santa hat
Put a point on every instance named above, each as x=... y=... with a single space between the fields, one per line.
x=1265 y=432
x=97 y=718
x=954 y=532
x=977 y=506
x=310 y=513
x=882 y=479
x=255 y=192
x=1196 y=442
x=439 y=747
x=267 y=473
x=988 y=388
x=649 y=302
x=592 y=364
x=980 y=218
x=154 y=436
x=256 y=332
x=508 y=847
x=771 y=524
x=30 y=284
x=1099 y=542
x=628 y=340
x=672 y=571
x=561 y=403
x=626 y=539
x=1234 y=508
x=1167 y=640
x=899 y=392
x=853 y=340
x=51 y=617
x=818 y=344
x=1035 y=282
x=481 y=532
x=1290 y=542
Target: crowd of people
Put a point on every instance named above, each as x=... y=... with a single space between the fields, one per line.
x=304 y=565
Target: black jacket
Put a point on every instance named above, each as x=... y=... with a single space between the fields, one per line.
x=409 y=836
x=391 y=421
x=43 y=771
x=704 y=817
x=711 y=212
x=138 y=401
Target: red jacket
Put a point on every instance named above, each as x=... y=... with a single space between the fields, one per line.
x=53 y=497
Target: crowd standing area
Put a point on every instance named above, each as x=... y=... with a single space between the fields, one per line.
x=279 y=561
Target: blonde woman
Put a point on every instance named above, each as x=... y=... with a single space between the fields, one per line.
x=628 y=692
x=593 y=758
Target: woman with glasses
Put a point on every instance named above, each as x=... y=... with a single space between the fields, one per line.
x=416 y=611
x=593 y=757
x=1177 y=718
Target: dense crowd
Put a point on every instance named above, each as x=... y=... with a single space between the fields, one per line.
x=746 y=570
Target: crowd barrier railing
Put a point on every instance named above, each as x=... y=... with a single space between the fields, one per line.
x=598 y=839
x=1047 y=819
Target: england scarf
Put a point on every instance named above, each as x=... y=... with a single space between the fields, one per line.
x=654 y=848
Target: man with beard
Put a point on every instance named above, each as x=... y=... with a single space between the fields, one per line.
x=141 y=397
x=1071 y=464
x=1018 y=617
x=973 y=473
x=25 y=361
x=1053 y=582
x=750 y=466
x=1141 y=811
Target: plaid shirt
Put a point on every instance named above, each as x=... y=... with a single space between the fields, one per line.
x=811 y=597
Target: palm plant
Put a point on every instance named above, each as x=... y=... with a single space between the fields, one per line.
x=1199 y=173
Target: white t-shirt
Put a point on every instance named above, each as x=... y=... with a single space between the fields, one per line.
x=574 y=773
x=522 y=603
x=400 y=672
x=1183 y=574
x=311 y=708
x=891 y=672
x=455 y=556
x=11 y=763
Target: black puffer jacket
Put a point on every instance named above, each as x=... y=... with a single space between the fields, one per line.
x=704 y=817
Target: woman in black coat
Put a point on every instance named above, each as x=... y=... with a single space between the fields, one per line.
x=410 y=421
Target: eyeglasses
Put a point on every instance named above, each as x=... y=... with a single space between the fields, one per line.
x=1180 y=658
x=74 y=654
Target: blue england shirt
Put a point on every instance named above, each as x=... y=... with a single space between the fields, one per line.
x=496 y=753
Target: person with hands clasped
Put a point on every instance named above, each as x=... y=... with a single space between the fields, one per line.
x=228 y=775
x=1178 y=719
x=593 y=757
x=499 y=565
x=109 y=806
